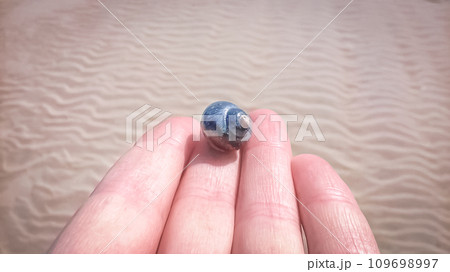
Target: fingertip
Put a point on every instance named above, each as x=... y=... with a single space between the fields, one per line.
x=268 y=129
x=309 y=160
x=317 y=181
x=177 y=131
x=262 y=112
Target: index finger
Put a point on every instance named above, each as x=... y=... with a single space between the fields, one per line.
x=127 y=211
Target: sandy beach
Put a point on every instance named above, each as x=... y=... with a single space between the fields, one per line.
x=376 y=80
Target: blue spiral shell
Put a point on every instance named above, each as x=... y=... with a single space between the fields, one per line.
x=225 y=125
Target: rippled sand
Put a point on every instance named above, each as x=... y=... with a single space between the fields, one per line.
x=377 y=80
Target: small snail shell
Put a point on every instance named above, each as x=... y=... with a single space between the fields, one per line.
x=225 y=125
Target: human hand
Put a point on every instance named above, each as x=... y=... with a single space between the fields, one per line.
x=186 y=197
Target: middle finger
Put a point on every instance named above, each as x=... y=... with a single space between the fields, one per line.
x=201 y=219
x=267 y=218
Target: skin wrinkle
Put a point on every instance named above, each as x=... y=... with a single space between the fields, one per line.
x=281 y=146
x=204 y=205
x=356 y=239
x=343 y=226
x=105 y=211
x=362 y=240
x=332 y=220
x=211 y=211
x=138 y=165
x=267 y=218
x=280 y=163
x=328 y=195
x=343 y=222
x=216 y=195
x=275 y=242
x=215 y=188
x=124 y=193
x=334 y=205
x=272 y=211
x=142 y=188
x=269 y=192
